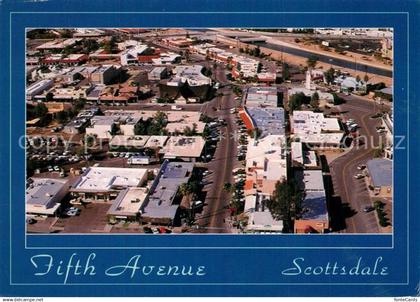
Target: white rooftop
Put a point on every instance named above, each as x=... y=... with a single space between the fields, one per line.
x=184 y=146
x=105 y=179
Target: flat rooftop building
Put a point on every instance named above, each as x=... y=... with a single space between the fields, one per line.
x=270 y=121
x=262 y=97
x=129 y=141
x=190 y=74
x=260 y=219
x=104 y=183
x=187 y=148
x=44 y=195
x=128 y=203
x=314 y=215
x=161 y=207
x=315 y=129
x=156 y=141
x=380 y=175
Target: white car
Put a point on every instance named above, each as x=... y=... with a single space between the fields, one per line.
x=359 y=176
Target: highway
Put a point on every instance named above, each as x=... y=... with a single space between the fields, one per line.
x=329 y=59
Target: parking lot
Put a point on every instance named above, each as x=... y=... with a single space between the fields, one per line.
x=92 y=218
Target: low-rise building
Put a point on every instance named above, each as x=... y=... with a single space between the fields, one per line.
x=57 y=44
x=162 y=205
x=269 y=121
x=102 y=184
x=128 y=142
x=102 y=127
x=179 y=42
x=197 y=127
x=186 y=148
x=266 y=164
x=260 y=219
x=262 y=97
x=157 y=74
x=166 y=58
x=38 y=88
x=380 y=176
x=190 y=74
x=128 y=203
x=315 y=130
x=314 y=216
x=44 y=196
x=301 y=157
x=72 y=59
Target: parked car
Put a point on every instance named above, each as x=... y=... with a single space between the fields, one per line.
x=359 y=176
x=30 y=221
x=147 y=230
x=361 y=167
x=197 y=203
x=368 y=209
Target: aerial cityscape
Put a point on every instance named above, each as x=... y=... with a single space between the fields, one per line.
x=209 y=130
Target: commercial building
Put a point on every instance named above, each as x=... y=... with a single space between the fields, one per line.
x=105 y=74
x=157 y=74
x=57 y=44
x=128 y=142
x=314 y=216
x=269 y=121
x=260 y=219
x=131 y=55
x=266 y=164
x=44 y=196
x=102 y=126
x=315 y=130
x=267 y=77
x=166 y=58
x=262 y=97
x=185 y=148
x=303 y=158
x=128 y=203
x=179 y=42
x=189 y=74
x=38 y=87
x=162 y=204
x=181 y=127
x=81 y=121
x=156 y=141
x=104 y=183
x=72 y=59
x=380 y=176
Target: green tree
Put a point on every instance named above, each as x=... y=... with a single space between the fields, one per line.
x=337 y=100
x=190 y=131
x=49 y=97
x=329 y=75
x=296 y=101
x=285 y=71
x=40 y=110
x=311 y=61
x=227 y=186
x=315 y=100
x=140 y=128
x=357 y=78
x=286 y=203
x=62 y=116
x=366 y=78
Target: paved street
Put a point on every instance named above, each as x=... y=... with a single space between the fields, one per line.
x=353 y=192
x=213 y=217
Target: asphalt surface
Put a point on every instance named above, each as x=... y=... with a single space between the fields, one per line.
x=354 y=192
x=213 y=219
x=330 y=60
